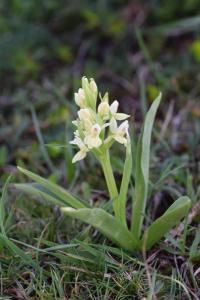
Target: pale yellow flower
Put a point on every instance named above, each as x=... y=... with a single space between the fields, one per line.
x=120 y=134
x=85 y=114
x=81 y=154
x=107 y=111
x=92 y=121
x=114 y=114
x=104 y=110
x=86 y=118
x=92 y=139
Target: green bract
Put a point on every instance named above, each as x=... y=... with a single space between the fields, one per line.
x=97 y=129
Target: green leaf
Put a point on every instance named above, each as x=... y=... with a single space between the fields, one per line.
x=194 y=251
x=59 y=192
x=142 y=170
x=120 y=202
x=169 y=219
x=195 y=257
x=39 y=191
x=106 y=224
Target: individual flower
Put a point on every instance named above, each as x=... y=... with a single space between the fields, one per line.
x=81 y=154
x=86 y=118
x=104 y=110
x=114 y=114
x=107 y=111
x=120 y=134
x=92 y=139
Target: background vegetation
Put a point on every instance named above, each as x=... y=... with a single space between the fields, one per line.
x=133 y=49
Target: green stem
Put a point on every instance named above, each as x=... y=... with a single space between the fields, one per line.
x=108 y=173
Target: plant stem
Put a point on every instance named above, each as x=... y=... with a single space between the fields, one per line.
x=108 y=173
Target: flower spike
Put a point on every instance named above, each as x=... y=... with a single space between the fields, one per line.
x=91 y=133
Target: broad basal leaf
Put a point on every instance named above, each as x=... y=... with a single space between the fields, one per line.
x=58 y=191
x=38 y=190
x=195 y=247
x=163 y=224
x=106 y=224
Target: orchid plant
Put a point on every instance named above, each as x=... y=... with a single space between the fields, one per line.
x=98 y=127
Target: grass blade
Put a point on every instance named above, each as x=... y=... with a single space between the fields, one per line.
x=142 y=170
x=2 y=207
x=169 y=219
x=41 y=141
x=176 y=27
x=5 y=241
x=58 y=191
x=26 y=258
x=106 y=224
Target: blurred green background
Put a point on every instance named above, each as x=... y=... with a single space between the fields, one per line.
x=131 y=48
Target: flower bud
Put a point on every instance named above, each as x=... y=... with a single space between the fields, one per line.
x=85 y=82
x=92 y=139
x=84 y=114
x=80 y=98
x=91 y=91
x=103 y=110
x=93 y=86
x=86 y=118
